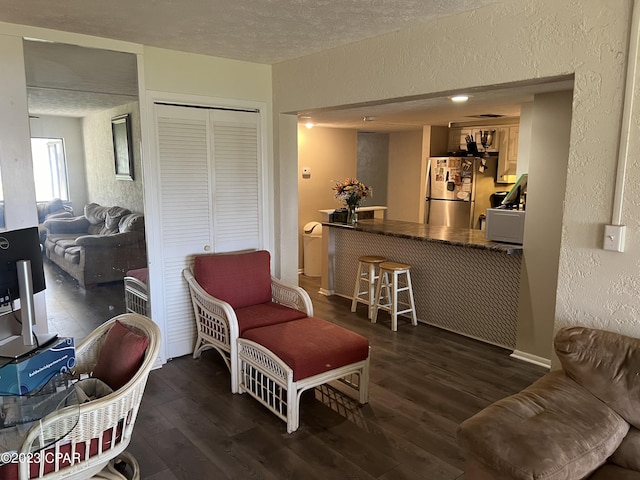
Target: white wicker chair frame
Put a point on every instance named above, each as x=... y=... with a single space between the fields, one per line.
x=269 y=380
x=217 y=324
x=136 y=296
x=115 y=411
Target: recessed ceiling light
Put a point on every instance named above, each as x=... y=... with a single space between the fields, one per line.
x=459 y=98
x=309 y=124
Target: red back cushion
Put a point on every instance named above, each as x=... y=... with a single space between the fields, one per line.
x=120 y=356
x=240 y=279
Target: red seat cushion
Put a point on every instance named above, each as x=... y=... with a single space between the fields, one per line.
x=120 y=356
x=311 y=345
x=9 y=471
x=240 y=279
x=264 y=314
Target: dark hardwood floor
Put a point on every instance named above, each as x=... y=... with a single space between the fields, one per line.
x=424 y=382
x=75 y=312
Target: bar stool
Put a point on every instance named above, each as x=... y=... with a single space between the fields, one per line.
x=395 y=286
x=368 y=275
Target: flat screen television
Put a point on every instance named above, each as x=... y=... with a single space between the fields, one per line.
x=512 y=200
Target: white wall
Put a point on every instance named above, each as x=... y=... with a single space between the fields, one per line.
x=405 y=167
x=550 y=125
x=69 y=129
x=15 y=151
x=520 y=41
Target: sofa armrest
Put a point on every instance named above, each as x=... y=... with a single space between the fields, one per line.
x=59 y=215
x=107 y=241
x=291 y=296
x=67 y=225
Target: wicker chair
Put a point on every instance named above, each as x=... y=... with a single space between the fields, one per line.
x=136 y=291
x=112 y=416
x=217 y=322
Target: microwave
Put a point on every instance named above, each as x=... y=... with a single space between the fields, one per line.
x=503 y=225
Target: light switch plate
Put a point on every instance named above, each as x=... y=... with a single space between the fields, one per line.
x=306 y=172
x=614 y=237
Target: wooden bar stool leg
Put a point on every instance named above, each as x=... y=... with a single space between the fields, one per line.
x=414 y=319
x=372 y=286
x=382 y=277
x=394 y=302
x=356 y=289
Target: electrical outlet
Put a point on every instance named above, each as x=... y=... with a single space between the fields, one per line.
x=614 y=237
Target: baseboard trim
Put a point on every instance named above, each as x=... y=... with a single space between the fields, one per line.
x=325 y=292
x=529 y=358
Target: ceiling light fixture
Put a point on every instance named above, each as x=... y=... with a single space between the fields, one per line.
x=309 y=124
x=459 y=98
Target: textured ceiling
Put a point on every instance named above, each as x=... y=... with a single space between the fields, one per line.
x=75 y=81
x=67 y=80
x=261 y=31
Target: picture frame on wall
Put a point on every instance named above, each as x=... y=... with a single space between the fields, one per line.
x=122 y=147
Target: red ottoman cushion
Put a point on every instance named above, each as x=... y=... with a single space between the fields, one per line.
x=265 y=314
x=311 y=345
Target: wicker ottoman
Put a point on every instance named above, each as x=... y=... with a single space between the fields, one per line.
x=277 y=363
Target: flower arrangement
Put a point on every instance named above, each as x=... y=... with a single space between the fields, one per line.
x=352 y=192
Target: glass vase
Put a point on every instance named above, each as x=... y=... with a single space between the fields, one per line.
x=352 y=215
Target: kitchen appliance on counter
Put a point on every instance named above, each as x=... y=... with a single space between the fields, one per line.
x=451 y=191
x=505 y=225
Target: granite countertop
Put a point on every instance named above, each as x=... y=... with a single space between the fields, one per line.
x=464 y=237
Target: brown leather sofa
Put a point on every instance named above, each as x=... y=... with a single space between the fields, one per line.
x=99 y=246
x=579 y=422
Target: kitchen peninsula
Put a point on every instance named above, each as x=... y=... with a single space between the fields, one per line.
x=462 y=282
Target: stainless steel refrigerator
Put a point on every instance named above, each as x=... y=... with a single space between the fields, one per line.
x=451 y=191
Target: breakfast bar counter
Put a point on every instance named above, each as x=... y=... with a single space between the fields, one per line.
x=461 y=281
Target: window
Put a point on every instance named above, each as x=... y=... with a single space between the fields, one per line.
x=49 y=169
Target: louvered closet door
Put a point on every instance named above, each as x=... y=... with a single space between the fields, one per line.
x=236 y=217
x=209 y=189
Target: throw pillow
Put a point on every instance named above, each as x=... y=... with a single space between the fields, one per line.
x=112 y=220
x=120 y=356
x=95 y=213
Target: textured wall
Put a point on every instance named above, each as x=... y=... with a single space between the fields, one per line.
x=373 y=165
x=508 y=42
x=102 y=185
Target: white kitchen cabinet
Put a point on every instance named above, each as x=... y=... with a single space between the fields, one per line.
x=508 y=156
